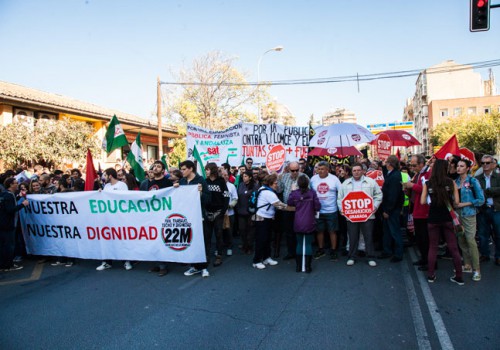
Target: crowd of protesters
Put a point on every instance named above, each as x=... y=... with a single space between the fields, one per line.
x=435 y=204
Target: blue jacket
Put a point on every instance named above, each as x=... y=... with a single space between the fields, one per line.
x=470 y=191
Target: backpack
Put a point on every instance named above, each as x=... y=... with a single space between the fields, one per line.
x=253 y=200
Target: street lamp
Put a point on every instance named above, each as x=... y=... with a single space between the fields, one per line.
x=277 y=48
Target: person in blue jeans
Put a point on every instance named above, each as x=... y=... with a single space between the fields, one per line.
x=488 y=218
x=392 y=204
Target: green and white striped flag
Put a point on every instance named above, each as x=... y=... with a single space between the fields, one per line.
x=134 y=158
x=115 y=136
x=200 y=168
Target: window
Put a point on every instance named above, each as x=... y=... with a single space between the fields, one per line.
x=457 y=111
x=152 y=152
x=471 y=110
x=486 y=110
x=443 y=112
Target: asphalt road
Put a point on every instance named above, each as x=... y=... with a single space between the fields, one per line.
x=391 y=306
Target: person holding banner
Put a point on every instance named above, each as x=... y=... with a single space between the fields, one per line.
x=8 y=221
x=359 y=182
x=246 y=228
x=190 y=177
x=158 y=182
x=113 y=184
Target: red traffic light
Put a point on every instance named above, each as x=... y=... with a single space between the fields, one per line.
x=479 y=15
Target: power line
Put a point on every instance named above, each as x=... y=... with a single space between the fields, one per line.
x=350 y=78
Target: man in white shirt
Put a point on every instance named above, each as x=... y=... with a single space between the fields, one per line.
x=327 y=187
x=113 y=184
x=233 y=200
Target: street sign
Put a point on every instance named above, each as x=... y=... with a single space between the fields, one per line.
x=357 y=206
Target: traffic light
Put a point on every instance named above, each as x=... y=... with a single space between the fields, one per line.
x=479 y=15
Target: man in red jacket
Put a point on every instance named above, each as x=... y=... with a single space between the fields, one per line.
x=420 y=211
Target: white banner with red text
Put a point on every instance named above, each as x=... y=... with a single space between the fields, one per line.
x=163 y=225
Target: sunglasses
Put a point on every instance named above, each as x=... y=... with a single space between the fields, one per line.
x=294 y=171
x=485 y=163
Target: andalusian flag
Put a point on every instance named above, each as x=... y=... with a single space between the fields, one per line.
x=115 y=137
x=134 y=158
x=200 y=168
x=164 y=161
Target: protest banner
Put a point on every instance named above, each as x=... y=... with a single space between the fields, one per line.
x=215 y=146
x=158 y=225
x=259 y=140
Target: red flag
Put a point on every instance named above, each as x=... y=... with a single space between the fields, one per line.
x=449 y=148
x=398 y=154
x=90 y=174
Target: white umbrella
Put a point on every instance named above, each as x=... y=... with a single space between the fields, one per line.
x=340 y=135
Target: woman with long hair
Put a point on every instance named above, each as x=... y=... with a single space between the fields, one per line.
x=131 y=182
x=471 y=199
x=245 y=225
x=441 y=193
x=306 y=204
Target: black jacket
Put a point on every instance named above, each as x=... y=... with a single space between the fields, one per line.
x=205 y=193
x=392 y=190
x=8 y=210
x=220 y=195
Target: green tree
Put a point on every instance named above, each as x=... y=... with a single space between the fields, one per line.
x=46 y=142
x=479 y=133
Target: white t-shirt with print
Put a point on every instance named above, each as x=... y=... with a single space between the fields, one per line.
x=233 y=194
x=327 y=190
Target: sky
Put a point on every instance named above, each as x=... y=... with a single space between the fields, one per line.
x=110 y=53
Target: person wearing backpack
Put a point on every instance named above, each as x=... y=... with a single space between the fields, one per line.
x=471 y=199
x=267 y=203
x=8 y=220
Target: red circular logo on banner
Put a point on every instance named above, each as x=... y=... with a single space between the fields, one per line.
x=323 y=133
x=275 y=158
x=176 y=232
x=356 y=137
x=357 y=206
x=323 y=188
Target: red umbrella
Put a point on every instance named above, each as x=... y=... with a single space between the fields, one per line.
x=335 y=151
x=399 y=138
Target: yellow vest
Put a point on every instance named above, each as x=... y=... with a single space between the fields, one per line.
x=405 y=178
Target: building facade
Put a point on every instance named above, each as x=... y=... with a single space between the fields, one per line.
x=28 y=105
x=445 y=90
x=339 y=115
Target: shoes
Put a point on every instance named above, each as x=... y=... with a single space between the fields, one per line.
x=57 y=263
x=69 y=263
x=127 y=265
x=162 y=272
x=154 y=269
x=14 y=268
x=384 y=256
x=420 y=263
x=192 y=271
x=218 y=261
x=259 y=266
x=484 y=258
x=457 y=280
x=103 y=266
x=204 y=273
x=350 y=262
x=270 y=261
x=431 y=279
x=476 y=277
x=289 y=257
x=395 y=259
x=229 y=252
x=319 y=254
x=334 y=256
x=372 y=263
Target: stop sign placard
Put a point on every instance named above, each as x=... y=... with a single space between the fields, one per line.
x=275 y=158
x=357 y=206
x=384 y=145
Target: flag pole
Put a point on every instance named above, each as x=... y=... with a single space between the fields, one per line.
x=158 y=115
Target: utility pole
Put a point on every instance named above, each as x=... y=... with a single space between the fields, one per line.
x=158 y=115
